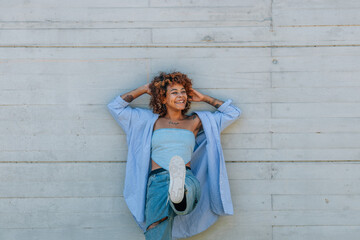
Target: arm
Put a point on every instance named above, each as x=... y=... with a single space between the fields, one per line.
x=130 y=96
x=212 y=101
x=125 y=115
x=199 y=97
x=226 y=112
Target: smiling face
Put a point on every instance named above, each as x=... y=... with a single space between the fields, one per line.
x=176 y=97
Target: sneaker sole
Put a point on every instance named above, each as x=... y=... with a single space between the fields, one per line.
x=177 y=172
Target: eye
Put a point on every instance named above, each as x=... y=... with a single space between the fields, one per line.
x=174 y=93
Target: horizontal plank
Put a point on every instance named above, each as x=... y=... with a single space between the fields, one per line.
x=110 y=142
x=131 y=231
x=105 y=172
x=133 y=14
x=342 y=15
x=308 y=124
x=226 y=227
x=65 y=155
x=256 y=154
x=75 y=69
x=62 y=172
x=246 y=140
x=88 y=113
x=62 y=189
x=344 y=51
x=58 y=112
x=43 y=219
x=105 y=204
x=214 y=35
x=116 y=54
x=132 y=25
x=63 y=205
x=315 y=232
x=227 y=35
x=316 y=217
x=212 y=3
x=322 y=4
x=111 y=233
x=115 y=172
x=317 y=111
x=314 y=79
x=123 y=230
x=252 y=95
x=238 y=187
x=316 y=202
x=74 y=97
x=298 y=154
x=316 y=63
x=71 y=4
x=295 y=186
x=249 y=64
x=74 y=37
x=135 y=72
x=316 y=140
x=89 y=127
x=344 y=94
x=313 y=35
x=109 y=220
x=316 y=171
x=231 y=155
x=63 y=142
x=124 y=55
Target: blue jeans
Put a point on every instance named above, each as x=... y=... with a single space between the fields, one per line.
x=159 y=206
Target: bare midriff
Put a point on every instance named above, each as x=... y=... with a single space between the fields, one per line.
x=154 y=165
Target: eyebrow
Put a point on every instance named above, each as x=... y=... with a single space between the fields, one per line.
x=176 y=89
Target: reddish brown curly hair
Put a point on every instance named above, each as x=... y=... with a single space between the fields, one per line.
x=158 y=87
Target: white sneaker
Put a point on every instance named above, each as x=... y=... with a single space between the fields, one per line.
x=177 y=172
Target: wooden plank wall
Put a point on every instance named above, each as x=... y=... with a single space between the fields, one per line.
x=291 y=66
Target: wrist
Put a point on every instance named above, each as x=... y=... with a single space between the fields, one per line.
x=206 y=98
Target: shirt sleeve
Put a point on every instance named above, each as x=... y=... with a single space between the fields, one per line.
x=125 y=115
x=226 y=114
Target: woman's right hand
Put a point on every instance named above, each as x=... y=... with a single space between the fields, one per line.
x=130 y=96
x=147 y=89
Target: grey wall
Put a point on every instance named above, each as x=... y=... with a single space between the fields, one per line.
x=291 y=66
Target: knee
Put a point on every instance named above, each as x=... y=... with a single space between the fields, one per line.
x=156 y=223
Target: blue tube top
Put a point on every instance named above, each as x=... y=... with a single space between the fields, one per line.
x=168 y=142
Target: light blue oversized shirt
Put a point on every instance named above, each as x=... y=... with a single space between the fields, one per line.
x=207 y=164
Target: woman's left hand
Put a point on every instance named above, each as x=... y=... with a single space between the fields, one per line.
x=196 y=95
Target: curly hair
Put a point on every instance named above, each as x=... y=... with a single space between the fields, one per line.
x=158 y=88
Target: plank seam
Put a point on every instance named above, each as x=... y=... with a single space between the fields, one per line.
x=182 y=46
x=255 y=161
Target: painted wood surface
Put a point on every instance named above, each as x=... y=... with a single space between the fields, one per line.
x=293 y=159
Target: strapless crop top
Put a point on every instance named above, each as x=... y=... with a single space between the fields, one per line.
x=168 y=142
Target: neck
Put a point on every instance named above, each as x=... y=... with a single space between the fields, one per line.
x=174 y=115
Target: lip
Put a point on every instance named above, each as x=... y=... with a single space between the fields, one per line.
x=178 y=102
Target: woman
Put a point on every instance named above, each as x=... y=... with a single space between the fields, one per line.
x=175 y=164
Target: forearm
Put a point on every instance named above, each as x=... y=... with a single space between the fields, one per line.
x=130 y=96
x=212 y=101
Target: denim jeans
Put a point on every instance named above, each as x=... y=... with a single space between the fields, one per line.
x=159 y=205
